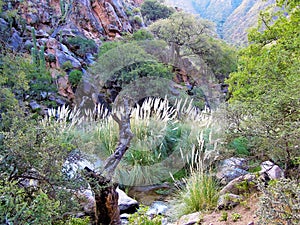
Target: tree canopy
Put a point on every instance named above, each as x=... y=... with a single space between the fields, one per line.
x=265 y=89
x=154 y=10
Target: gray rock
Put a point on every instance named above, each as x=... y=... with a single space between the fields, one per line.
x=41 y=34
x=63 y=57
x=190 y=219
x=126 y=204
x=87 y=200
x=228 y=201
x=157 y=208
x=232 y=186
x=60 y=101
x=90 y=59
x=230 y=169
x=65 y=49
x=34 y=105
x=15 y=41
x=28 y=45
x=236 y=163
x=273 y=171
x=44 y=95
x=124 y=218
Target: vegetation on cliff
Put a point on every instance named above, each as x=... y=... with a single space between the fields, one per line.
x=177 y=56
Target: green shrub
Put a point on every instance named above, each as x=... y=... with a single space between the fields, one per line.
x=201 y=192
x=153 y=10
x=144 y=69
x=141 y=218
x=82 y=45
x=240 y=145
x=136 y=10
x=67 y=65
x=138 y=19
x=107 y=46
x=75 y=77
x=142 y=34
x=280 y=202
x=18 y=207
x=235 y=217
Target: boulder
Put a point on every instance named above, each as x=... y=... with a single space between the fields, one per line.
x=157 y=208
x=63 y=57
x=272 y=170
x=34 y=106
x=190 y=219
x=228 y=201
x=15 y=41
x=126 y=204
x=233 y=186
x=231 y=168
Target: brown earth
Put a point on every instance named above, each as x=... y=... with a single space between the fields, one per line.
x=247 y=211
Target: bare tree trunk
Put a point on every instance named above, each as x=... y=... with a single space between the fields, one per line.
x=106 y=196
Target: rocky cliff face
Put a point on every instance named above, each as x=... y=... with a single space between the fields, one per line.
x=66 y=33
x=232 y=17
x=61 y=20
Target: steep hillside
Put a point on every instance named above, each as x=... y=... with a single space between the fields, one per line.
x=245 y=16
x=232 y=17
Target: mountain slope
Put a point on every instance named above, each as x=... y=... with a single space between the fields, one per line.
x=232 y=17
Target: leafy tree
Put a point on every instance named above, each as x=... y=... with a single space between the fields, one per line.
x=182 y=30
x=189 y=35
x=154 y=10
x=264 y=103
x=142 y=34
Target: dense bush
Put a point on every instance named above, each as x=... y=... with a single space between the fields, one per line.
x=141 y=35
x=107 y=46
x=153 y=10
x=75 y=77
x=264 y=101
x=34 y=190
x=280 y=202
x=141 y=218
x=82 y=45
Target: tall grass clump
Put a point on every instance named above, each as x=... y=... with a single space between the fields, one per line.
x=163 y=133
x=201 y=191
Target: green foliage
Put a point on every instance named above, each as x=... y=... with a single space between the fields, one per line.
x=224 y=216
x=107 y=46
x=141 y=35
x=19 y=207
x=264 y=104
x=145 y=69
x=31 y=185
x=235 y=217
x=201 y=192
x=82 y=45
x=138 y=19
x=154 y=10
x=1 y=5
x=240 y=145
x=75 y=221
x=280 y=202
x=67 y=65
x=141 y=218
x=75 y=77
x=18 y=77
x=189 y=35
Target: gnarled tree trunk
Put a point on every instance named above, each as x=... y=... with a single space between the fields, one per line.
x=106 y=196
